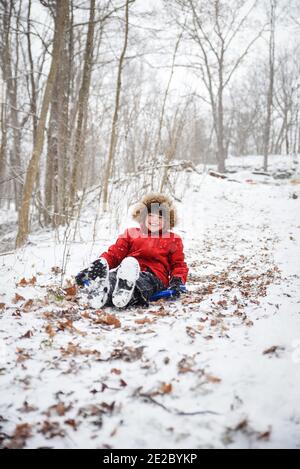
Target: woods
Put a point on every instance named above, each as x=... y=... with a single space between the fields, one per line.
x=149 y=225
x=96 y=91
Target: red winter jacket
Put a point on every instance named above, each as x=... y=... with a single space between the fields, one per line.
x=163 y=254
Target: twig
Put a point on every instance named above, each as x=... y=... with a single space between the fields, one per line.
x=173 y=411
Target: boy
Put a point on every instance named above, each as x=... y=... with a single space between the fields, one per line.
x=149 y=258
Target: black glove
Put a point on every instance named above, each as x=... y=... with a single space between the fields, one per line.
x=176 y=284
x=96 y=270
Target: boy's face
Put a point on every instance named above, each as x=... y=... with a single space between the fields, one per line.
x=154 y=222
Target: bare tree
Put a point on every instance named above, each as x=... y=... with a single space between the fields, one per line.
x=114 y=133
x=215 y=27
x=62 y=9
x=82 y=105
x=271 y=78
x=10 y=71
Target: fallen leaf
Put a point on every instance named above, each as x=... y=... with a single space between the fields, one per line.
x=20 y=435
x=18 y=298
x=128 y=354
x=28 y=305
x=26 y=409
x=50 y=331
x=273 y=350
x=70 y=291
x=60 y=409
x=212 y=379
x=28 y=335
x=72 y=423
x=68 y=325
x=74 y=349
x=108 y=320
x=52 y=430
x=143 y=321
x=24 y=283
x=242 y=425
x=22 y=355
x=166 y=388
x=265 y=436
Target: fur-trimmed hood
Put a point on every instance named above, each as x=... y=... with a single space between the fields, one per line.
x=165 y=203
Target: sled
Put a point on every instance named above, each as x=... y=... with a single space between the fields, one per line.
x=167 y=294
x=162 y=295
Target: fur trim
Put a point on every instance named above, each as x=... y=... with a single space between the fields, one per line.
x=141 y=209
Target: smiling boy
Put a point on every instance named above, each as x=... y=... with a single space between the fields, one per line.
x=148 y=259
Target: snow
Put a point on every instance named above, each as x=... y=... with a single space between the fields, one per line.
x=217 y=369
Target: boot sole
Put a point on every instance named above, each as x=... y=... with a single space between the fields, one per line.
x=98 y=290
x=128 y=271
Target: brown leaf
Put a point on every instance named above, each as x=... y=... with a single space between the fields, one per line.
x=166 y=388
x=28 y=305
x=74 y=349
x=18 y=298
x=186 y=365
x=161 y=312
x=191 y=332
x=22 y=355
x=213 y=379
x=21 y=434
x=26 y=409
x=28 y=335
x=24 y=283
x=86 y=315
x=116 y=371
x=242 y=425
x=128 y=354
x=265 y=436
x=222 y=303
x=72 y=423
x=2 y=305
x=273 y=350
x=68 y=325
x=70 y=291
x=60 y=409
x=214 y=322
x=52 y=430
x=143 y=321
x=50 y=331
x=108 y=320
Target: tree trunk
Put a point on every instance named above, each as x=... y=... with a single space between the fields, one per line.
x=267 y=132
x=58 y=139
x=82 y=106
x=62 y=9
x=12 y=95
x=114 y=135
x=3 y=145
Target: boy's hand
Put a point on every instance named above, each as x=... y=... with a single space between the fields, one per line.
x=176 y=285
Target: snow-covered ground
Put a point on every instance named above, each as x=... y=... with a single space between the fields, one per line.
x=218 y=369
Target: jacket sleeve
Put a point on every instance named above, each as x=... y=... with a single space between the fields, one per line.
x=118 y=251
x=178 y=266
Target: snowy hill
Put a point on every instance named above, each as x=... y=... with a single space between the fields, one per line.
x=217 y=369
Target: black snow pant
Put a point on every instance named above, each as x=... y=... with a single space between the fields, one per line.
x=146 y=286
